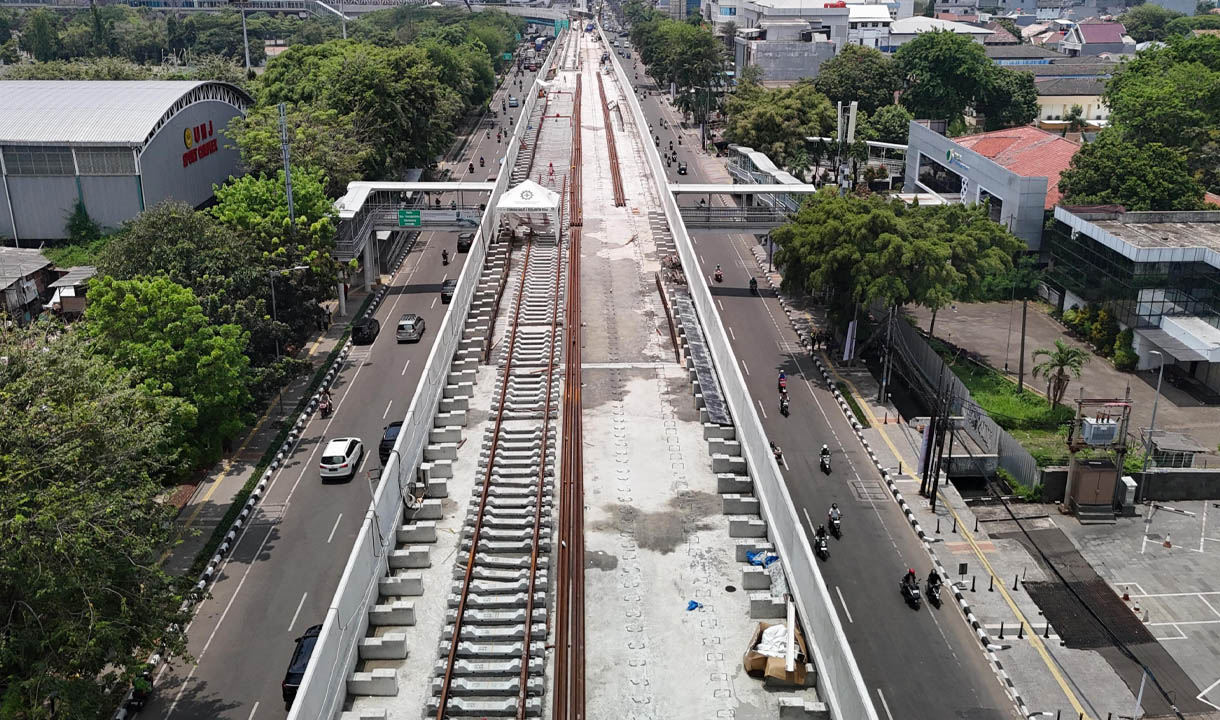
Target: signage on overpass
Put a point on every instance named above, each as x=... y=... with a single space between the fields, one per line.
x=408 y=218
x=507 y=56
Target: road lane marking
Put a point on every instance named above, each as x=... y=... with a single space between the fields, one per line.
x=744 y=367
x=255 y=708
x=731 y=333
x=885 y=705
x=404 y=368
x=387 y=409
x=332 y=530
x=761 y=410
x=297 y=614
x=809 y=521
x=433 y=304
x=719 y=304
x=847 y=613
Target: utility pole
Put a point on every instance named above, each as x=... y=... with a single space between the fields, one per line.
x=889 y=351
x=292 y=218
x=245 y=38
x=1021 y=360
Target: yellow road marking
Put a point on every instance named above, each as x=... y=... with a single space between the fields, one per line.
x=1034 y=639
x=229 y=462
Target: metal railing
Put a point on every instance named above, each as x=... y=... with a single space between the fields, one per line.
x=756 y=217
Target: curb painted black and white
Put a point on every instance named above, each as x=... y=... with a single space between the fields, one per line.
x=198 y=591
x=988 y=647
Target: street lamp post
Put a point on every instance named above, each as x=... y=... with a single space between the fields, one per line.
x=1152 y=425
x=271 y=280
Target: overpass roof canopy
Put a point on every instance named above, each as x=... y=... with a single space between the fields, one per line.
x=358 y=192
x=100 y=112
x=741 y=189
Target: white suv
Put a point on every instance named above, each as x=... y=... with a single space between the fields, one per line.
x=340 y=458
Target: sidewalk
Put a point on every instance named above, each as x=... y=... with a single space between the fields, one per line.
x=212 y=497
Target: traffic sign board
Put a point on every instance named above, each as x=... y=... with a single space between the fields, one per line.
x=408 y=218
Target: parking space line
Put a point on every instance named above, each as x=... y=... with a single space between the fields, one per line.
x=296 y=614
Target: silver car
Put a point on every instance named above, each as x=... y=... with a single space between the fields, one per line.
x=410 y=328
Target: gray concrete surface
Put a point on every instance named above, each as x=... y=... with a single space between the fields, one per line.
x=994 y=331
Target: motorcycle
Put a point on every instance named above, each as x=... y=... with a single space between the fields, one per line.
x=480 y=161
x=444 y=257
x=779 y=454
x=826 y=464
x=753 y=286
x=719 y=275
x=783 y=383
x=141 y=692
x=910 y=591
x=783 y=405
x=326 y=408
x=470 y=168
x=933 y=591
x=821 y=548
x=836 y=527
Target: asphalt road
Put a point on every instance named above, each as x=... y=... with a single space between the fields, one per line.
x=283 y=572
x=916 y=664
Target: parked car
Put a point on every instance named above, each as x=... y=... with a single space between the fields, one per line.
x=447 y=289
x=296 y=666
x=364 y=331
x=341 y=458
x=410 y=328
x=465 y=240
x=388 y=436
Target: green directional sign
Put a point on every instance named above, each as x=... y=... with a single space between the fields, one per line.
x=508 y=56
x=408 y=218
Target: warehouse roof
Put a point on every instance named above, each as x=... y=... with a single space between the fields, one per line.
x=100 y=112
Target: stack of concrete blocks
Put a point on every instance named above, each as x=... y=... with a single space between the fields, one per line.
x=417 y=535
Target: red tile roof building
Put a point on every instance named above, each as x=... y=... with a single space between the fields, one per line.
x=1026 y=151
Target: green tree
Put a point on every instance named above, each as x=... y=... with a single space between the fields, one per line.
x=40 y=35
x=1114 y=170
x=1147 y=22
x=83 y=599
x=944 y=74
x=9 y=53
x=777 y=121
x=1184 y=26
x=1075 y=120
x=1007 y=99
x=319 y=138
x=891 y=124
x=6 y=26
x=728 y=31
x=157 y=329
x=862 y=74
x=1058 y=366
x=1011 y=26
x=81 y=228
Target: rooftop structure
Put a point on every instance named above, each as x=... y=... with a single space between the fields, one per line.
x=907 y=29
x=117 y=147
x=1028 y=152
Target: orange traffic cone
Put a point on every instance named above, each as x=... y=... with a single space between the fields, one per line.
x=1168 y=542
x=1126 y=596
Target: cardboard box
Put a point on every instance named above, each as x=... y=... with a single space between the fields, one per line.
x=772 y=669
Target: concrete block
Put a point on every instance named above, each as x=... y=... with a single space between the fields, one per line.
x=714 y=430
x=723 y=464
x=382 y=682
x=462 y=390
x=754 y=577
x=443 y=451
x=732 y=448
x=735 y=504
x=747 y=526
x=437 y=488
x=439 y=468
x=445 y=435
x=391 y=646
x=366 y=714
x=733 y=483
x=414 y=556
x=401 y=584
x=453 y=404
x=422 y=531
x=429 y=510
x=398 y=612
x=764 y=607
x=445 y=419
x=799 y=709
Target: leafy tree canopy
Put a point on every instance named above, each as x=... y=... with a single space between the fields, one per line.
x=1116 y=170
x=892 y=124
x=156 y=329
x=1147 y=22
x=81 y=450
x=777 y=121
x=861 y=74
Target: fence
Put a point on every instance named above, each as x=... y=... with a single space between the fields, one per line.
x=938 y=378
x=323 y=689
x=841 y=685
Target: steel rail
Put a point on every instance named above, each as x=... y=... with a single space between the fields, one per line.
x=616 y=177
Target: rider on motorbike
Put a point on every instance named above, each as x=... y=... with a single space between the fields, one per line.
x=933 y=578
x=821 y=532
x=753 y=285
x=909 y=580
x=445 y=255
x=825 y=455
x=834 y=513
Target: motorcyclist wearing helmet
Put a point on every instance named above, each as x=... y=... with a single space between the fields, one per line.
x=834 y=513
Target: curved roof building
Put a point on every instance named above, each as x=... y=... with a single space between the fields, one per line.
x=117 y=146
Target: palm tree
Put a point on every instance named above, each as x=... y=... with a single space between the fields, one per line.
x=1055 y=369
x=728 y=31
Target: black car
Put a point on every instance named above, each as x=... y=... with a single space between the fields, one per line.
x=296 y=666
x=465 y=240
x=365 y=330
x=681 y=168
x=388 y=436
x=447 y=289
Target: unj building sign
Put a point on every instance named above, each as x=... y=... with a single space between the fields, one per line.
x=200 y=142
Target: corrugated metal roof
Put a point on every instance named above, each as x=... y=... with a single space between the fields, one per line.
x=86 y=112
x=16 y=263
